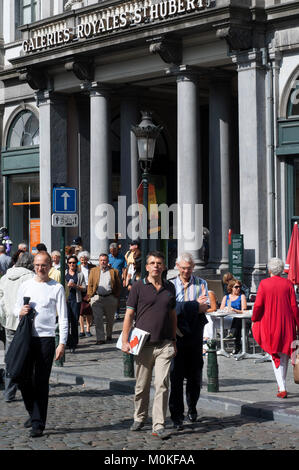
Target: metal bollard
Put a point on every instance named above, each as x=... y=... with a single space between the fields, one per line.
x=128 y=360
x=212 y=366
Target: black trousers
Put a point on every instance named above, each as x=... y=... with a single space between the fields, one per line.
x=236 y=329
x=188 y=363
x=73 y=312
x=35 y=392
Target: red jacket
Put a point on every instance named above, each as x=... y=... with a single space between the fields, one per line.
x=276 y=315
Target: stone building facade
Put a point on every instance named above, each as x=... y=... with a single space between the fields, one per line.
x=220 y=76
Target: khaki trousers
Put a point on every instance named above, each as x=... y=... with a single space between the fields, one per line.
x=155 y=356
x=103 y=306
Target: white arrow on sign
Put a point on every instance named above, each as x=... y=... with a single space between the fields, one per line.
x=66 y=196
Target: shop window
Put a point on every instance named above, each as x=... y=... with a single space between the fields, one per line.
x=24 y=131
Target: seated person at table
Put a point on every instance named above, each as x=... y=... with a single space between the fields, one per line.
x=235 y=302
x=227 y=278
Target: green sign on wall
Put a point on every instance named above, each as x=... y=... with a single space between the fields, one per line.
x=236 y=252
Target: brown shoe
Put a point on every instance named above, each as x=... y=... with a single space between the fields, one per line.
x=101 y=342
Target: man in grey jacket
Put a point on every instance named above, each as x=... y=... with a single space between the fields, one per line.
x=4 y=260
x=9 y=285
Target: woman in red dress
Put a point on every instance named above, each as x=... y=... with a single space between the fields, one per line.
x=275 y=317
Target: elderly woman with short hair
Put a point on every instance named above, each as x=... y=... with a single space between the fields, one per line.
x=275 y=317
x=85 y=311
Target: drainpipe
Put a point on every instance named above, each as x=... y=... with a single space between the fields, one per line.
x=271 y=231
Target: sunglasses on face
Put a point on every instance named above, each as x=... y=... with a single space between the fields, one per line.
x=72 y=262
x=237 y=287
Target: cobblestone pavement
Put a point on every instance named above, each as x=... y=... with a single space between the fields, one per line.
x=80 y=418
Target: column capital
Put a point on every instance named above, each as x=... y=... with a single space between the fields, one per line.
x=48 y=96
x=97 y=88
x=247 y=60
x=186 y=72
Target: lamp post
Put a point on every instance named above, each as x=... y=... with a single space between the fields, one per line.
x=146 y=134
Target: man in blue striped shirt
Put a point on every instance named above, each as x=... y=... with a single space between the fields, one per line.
x=192 y=301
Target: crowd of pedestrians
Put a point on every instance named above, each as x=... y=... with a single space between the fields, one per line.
x=172 y=312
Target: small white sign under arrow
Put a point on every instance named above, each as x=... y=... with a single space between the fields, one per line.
x=65 y=220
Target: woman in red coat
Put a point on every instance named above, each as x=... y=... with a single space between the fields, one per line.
x=275 y=316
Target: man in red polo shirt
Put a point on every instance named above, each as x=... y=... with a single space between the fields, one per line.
x=152 y=303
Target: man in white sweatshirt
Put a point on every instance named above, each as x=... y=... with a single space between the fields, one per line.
x=46 y=298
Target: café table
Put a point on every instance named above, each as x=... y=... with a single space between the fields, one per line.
x=247 y=314
x=220 y=314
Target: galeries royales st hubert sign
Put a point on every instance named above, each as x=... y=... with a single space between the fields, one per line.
x=116 y=18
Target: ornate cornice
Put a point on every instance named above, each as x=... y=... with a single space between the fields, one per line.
x=82 y=69
x=36 y=79
x=238 y=37
x=168 y=48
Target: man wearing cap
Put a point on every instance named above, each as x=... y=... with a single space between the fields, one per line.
x=103 y=292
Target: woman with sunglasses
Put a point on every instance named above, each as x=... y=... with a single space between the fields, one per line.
x=235 y=301
x=75 y=285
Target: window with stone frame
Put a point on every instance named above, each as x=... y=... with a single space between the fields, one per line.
x=24 y=131
x=293 y=104
x=28 y=11
x=25 y=13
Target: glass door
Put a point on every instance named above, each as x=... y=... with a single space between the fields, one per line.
x=23 y=208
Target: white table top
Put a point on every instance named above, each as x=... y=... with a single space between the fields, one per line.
x=244 y=314
x=225 y=313
x=219 y=313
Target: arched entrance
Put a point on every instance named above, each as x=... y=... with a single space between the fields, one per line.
x=20 y=168
x=288 y=149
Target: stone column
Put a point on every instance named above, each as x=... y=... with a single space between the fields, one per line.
x=252 y=161
x=100 y=171
x=219 y=175
x=188 y=160
x=1 y=36
x=129 y=170
x=53 y=159
x=83 y=138
x=3 y=179
x=1 y=124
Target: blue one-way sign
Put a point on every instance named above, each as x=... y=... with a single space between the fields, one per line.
x=65 y=200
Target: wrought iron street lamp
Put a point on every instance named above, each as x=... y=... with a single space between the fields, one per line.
x=146 y=134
